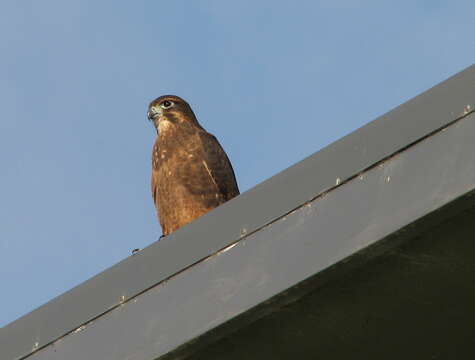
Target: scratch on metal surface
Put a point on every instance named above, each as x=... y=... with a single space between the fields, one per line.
x=79 y=329
x=466 y=109
x=227 y=248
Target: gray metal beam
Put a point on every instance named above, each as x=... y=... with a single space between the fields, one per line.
x=243 y=216
x=319 y=234
x=412 y=302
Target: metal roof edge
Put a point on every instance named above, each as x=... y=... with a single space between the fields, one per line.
x=336 y=163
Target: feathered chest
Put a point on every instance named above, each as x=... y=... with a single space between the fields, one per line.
x=176 y=152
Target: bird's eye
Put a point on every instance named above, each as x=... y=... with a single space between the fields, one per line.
x=166 y=104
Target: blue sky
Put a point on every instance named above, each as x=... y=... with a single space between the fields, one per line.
x=274 y=80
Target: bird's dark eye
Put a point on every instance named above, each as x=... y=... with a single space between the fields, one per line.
x=166 y=104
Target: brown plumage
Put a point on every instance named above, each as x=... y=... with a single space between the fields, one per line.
x=191 y=173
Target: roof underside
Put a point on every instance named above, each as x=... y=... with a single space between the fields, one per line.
x=413 y=302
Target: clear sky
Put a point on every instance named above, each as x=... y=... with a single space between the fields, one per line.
x=274 y=80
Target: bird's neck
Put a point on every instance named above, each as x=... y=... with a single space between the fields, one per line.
x=172 y=133
x=165 y=126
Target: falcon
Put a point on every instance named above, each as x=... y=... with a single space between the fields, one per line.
x=191 y=173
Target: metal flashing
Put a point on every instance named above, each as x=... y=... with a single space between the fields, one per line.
x=407 y=144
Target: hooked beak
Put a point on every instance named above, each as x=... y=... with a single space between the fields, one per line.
x=153 y=113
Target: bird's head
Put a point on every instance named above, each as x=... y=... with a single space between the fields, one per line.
x=171 y=110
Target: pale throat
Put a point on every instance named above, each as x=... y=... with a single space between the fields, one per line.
x=164 y=125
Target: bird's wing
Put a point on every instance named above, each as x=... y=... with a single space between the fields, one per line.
x=218 y=166
x=155 y=186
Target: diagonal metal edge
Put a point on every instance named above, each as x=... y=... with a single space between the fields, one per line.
x=343 y=159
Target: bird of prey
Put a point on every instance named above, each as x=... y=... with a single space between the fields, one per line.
x=191 y=173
